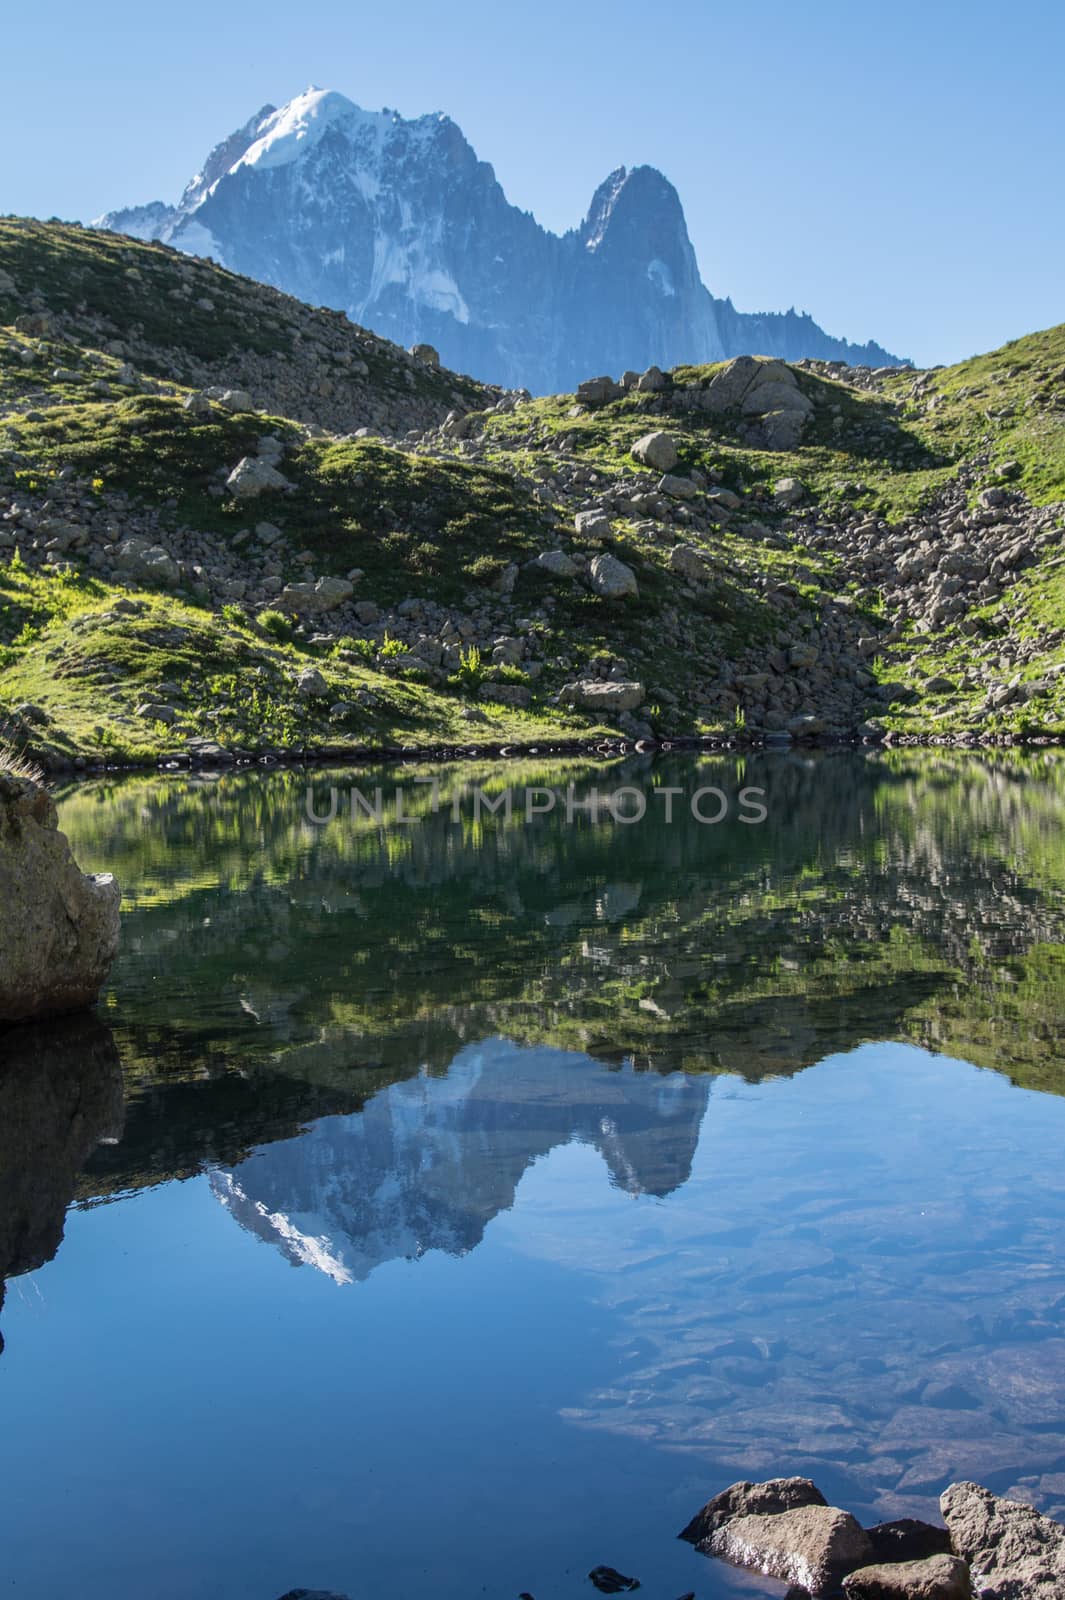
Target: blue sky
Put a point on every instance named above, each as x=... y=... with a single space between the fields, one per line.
x=897 y=171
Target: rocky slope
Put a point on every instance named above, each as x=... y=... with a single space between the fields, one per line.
x=220 y=534
x=399 y=224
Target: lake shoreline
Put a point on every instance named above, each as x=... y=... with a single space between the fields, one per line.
x=221 y=757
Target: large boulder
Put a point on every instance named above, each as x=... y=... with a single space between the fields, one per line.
x=657 y=450
x=598 y=392
x=611 y=578
x=936 y=1578
x=1015 y=1553
x=765 y=391
x=58 y=927
x=813 y=1546
x=746 y=1499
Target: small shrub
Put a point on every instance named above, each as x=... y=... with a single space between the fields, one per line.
x=234 y=616
x=390 y=648
x=275 y=624
x=485 y=569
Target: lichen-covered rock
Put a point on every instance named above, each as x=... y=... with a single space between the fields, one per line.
x=813 y=1546
x=1015 y=1553
x=936 y=1578
x=58 y=928
x=751 y=1499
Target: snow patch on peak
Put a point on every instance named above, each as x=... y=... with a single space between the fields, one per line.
x=661 y=277
x=299 y=126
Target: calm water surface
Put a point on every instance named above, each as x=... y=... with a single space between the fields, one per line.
x=449 y=1205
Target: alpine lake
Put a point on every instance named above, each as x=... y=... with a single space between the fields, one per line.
x=456 y=1187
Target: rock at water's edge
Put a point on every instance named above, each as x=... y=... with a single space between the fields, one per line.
x=813 y=1546
x=746 y=1499
x=936 y=1578
x=1015 y=1553
x=59 y=928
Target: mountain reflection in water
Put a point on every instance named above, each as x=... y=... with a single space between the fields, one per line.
x=428 y=1163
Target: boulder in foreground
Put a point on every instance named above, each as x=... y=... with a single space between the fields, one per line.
x=939 y=1577
x=812 y=1546
x=59 y=928
x=1014 y=1552
x=750 y=1499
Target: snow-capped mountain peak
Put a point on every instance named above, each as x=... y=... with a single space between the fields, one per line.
x=397 y=223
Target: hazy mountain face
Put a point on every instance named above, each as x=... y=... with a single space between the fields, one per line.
x=398 y=224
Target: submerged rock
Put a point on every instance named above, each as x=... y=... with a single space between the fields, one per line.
x=1015 y=1553
x=608 y=1580
x=60 y=928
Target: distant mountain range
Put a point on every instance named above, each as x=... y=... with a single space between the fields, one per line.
x=398 y=224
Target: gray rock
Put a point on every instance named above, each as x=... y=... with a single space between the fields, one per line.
x=676 y=488
x=592 y=525
x=652 y=381
x=232 y=399
x=686 y=561
x=253 y=476
x=598 y=392
x=607 y=698
x=557 y=562
x=813 y=1546
x=139 y=560
x=656 y=450
x=323 y=595
x=311 y=685
x=1014 y=1552
x=152 y=712
x=60 y=927
x=611 y=578
x=725 y=498
x=788 y=491
x=781 y=429
x=427 y=354
x=939 y=1577
x=751 y=1499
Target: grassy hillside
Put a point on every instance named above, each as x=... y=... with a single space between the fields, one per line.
x=855 y=554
